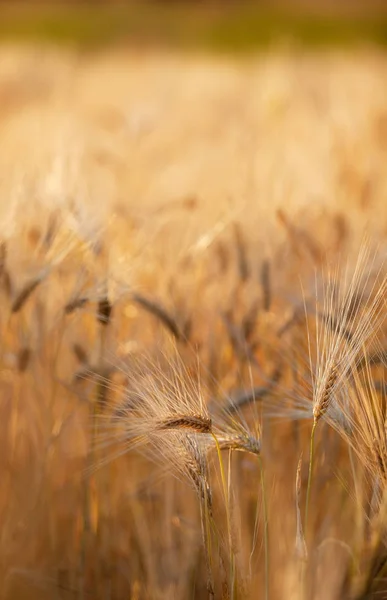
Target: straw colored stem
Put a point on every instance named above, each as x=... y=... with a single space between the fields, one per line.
x=310 y=474
x=228 y=518
x=266 y=527
x=206 y=536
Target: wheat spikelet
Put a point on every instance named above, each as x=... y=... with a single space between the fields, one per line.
x=380 y=456
x=241 y=443
x=353 y=314
x=3 y=256
x=239 y=432
x=161 y=399
x=5 y=278
x=266 y=285
x=299 y=238
x=80 y=354
x=26 y=291
x=348 y=316
x=321 y=404
x=249 y=320
x=222 y=255
x=365 y=413
x=198 y=423
x=104 y=310
x=241 y=347
x=185 y=454
x=75 y=304
x=23 y=359
x=194 y=462
x=241 y=250
x=158 y=311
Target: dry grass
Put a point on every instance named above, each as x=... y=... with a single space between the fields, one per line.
x=184 y=293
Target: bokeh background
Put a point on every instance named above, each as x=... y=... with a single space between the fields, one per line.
x=187 y=164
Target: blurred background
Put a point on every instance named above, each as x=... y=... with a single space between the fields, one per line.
x=227 y=25
x=159 y=98
x=179 y=165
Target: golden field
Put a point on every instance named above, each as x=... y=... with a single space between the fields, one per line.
x=172 y=230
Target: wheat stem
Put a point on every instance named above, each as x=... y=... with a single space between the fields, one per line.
x=311 y=457
x=308 y=489
x=228 y=518
x=266 y=527
x=206 y=536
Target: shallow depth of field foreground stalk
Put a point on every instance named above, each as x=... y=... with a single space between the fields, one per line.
x=228 y=517
x=238 y=437
x=310 y=475
x=266 y=527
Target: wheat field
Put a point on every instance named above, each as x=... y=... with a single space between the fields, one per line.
x=193 y=289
